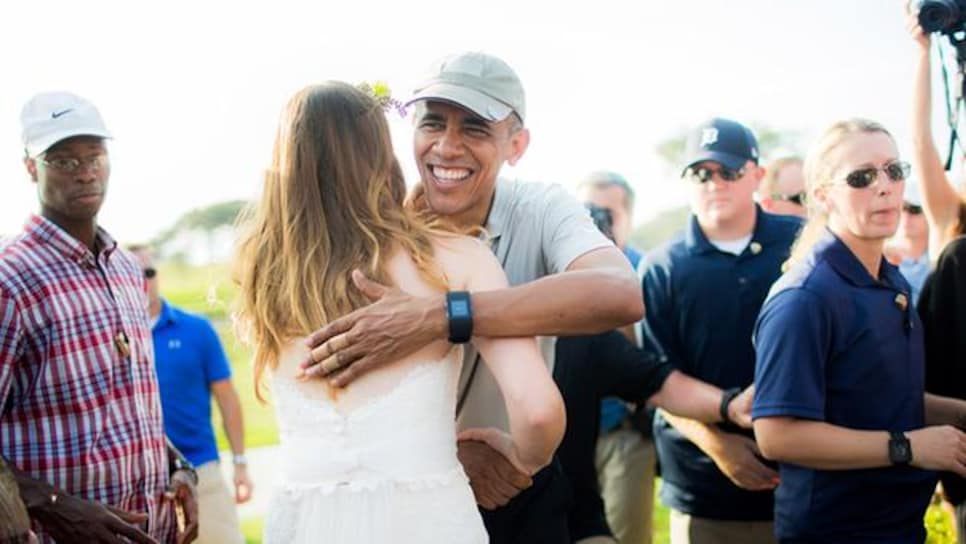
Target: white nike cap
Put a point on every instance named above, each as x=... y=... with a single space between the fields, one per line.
x=48 y=118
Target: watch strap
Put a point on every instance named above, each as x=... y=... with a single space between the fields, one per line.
x=727 y=396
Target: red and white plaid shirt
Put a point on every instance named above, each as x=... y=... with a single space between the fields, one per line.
x=78 y=409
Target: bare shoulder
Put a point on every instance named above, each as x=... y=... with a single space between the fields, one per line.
x=469 y=263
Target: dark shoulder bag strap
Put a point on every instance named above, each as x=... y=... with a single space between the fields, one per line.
x=466 y=388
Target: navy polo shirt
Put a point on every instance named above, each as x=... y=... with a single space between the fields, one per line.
x=836 y=345
x=188 y=359
x=701 y=308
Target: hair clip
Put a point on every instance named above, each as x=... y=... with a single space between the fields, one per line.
x=380 y=93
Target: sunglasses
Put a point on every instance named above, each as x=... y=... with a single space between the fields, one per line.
x=150 y=272
x=797 y=198
x=862 y=178
x=912 y=209
x=704 y=174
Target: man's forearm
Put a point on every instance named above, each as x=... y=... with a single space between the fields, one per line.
x=688 y=397
x=14 y=523
x=922 y=102
x=703 y=435
x=570 y=303
x=941 y=410
x=233 y=421
x=33 y=492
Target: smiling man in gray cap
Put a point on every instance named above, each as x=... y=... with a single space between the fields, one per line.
x=566 y=278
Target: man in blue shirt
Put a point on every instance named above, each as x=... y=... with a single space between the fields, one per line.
x=625 y=457
x=703 y=292
x=191 y=367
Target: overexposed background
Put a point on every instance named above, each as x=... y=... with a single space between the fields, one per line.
x=192 y=90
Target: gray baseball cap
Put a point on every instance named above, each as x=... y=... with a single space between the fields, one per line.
x=479 y=82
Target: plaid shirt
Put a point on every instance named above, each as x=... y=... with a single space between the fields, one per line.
x=78 y=409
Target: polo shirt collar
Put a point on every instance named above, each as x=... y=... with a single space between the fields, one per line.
x=697 y=242
x=167 y=314
x=499 y=211
x=46 y=231
x=847 y=265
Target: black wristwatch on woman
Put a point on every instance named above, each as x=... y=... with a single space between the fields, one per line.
x=900 y=450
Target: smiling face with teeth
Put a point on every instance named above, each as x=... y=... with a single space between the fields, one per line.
x=459 y=155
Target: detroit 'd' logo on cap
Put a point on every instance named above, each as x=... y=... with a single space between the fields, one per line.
x=709 y=136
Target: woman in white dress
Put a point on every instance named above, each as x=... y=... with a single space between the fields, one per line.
x=375 y=462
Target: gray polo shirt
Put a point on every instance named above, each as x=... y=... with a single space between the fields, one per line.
x=535 y=230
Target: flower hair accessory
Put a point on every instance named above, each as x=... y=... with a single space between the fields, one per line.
x=380 y=93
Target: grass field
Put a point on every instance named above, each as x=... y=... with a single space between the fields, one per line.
x=209 y=291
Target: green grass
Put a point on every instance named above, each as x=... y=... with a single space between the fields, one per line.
x=252 y=530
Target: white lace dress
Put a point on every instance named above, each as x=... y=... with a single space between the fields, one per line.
x=375 y=465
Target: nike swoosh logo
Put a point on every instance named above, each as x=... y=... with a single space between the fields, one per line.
x=57 y=114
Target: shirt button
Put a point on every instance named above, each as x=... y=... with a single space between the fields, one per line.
x=742 y=281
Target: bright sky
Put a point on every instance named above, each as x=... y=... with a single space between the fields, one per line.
x=192 y=90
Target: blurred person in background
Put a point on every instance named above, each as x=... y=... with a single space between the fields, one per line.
x=192 y=368
x=908 y=249
x=625 y=456
x=943 y=205
x=782 y=188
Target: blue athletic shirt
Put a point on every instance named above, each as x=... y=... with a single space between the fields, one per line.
x=188 y=358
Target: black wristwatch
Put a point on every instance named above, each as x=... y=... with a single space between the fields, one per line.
x=727 y=396
x=460 y=316
x=900 y=451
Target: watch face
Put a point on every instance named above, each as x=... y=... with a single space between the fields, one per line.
x=899 y=449
x=459 y=307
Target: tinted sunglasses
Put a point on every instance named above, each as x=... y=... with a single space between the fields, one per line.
x=797 y=198
x=862 y=178
x=912 y=209
x=703 y=174
x=150 y=272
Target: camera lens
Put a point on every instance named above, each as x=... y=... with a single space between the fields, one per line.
x=939 y=15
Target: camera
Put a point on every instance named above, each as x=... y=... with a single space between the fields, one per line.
x=603 y=219
x=945 y=16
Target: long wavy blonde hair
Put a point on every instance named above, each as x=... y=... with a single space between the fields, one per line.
x=818 y=170
x=332 y=201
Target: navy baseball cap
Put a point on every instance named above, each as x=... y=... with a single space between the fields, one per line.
x=723 y=141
